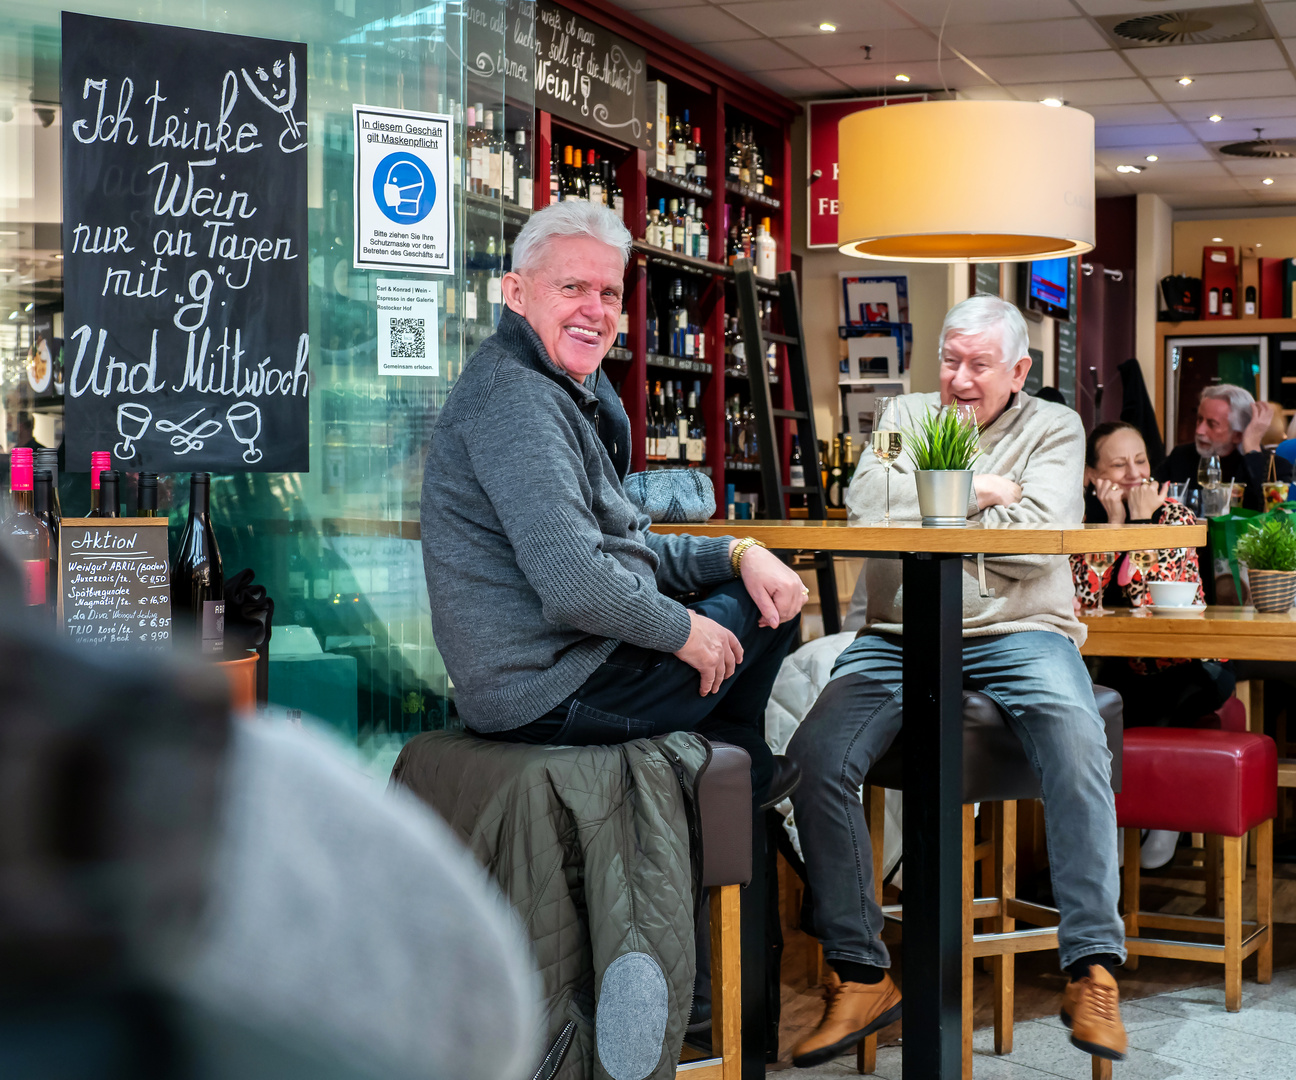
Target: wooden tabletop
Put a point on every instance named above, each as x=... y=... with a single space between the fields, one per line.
x=1234 y=633
x=992 y=539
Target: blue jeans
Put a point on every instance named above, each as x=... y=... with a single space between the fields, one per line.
x=1039 y=681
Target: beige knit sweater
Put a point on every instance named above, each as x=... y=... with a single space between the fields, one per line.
x=1041 y=446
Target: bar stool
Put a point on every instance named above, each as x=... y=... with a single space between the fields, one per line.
x=1221 y=783
x=995 y=771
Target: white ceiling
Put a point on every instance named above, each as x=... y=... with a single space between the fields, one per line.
x=1028 y=50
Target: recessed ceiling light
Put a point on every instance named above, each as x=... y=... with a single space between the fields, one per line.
x=13 y=315
x=1151 y=157
x=902 y=77
x=1128 y=168
x=1217 y=239
x=828 y=28
x=1214 y=118
x=29 y=306
x=1267 y=180
x=59 y=257
x=1051 y=102
x=8 y=270
x=1185 y=81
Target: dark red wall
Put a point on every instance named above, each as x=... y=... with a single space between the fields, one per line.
x=1116 y=225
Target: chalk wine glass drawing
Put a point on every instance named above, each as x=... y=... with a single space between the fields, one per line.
x=279 y=93
x=185 y=439
x=133 y=421
x=246 y=416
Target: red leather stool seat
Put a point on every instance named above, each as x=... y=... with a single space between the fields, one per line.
x=1200 y=781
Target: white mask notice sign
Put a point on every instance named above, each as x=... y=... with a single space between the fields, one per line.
x=404 y=204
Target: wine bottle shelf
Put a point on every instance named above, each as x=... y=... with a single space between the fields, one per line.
x=753 y=197
x=677 y=261
x=741 y=466
x=656 y=466
x=678 y=363
x=480 y=206
x=731 y=373
x=618 y=353
x=690 y=186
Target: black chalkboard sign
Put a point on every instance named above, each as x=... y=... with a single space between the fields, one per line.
x=184 y=242
x=590 y=76
x=1066 y=360
x=988 y=278
x=114 y=582
x=499 y=42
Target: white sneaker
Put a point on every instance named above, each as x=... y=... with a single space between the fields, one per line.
x=1158 y=849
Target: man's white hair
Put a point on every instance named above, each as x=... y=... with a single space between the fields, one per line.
x=573 y=217
x=983 y=312
x=1241 y=405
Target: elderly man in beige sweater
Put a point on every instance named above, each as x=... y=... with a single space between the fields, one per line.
x=1020 y=647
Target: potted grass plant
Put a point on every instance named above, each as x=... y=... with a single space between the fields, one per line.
x=943 y=447
x=1268 y=550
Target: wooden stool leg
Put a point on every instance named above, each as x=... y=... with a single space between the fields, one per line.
x=1005 y=878
x=866 y=1056
x=726 y=981
x=1133 y=841
x=1232 y=923
x=1102 y=1069
x=1264 y=899
x=1211 y=867
x=969 y=865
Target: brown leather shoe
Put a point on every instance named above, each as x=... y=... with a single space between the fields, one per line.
x=1091 y=1009
x=851 y=1011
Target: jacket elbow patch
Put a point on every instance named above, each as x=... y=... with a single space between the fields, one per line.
x=630 y=1024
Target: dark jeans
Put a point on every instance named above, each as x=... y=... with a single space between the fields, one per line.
x=638 y=693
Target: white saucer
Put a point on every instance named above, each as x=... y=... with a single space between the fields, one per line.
x=1179 y=612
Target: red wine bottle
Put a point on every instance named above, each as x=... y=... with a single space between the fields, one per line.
x=197 y=582
x=109 y=494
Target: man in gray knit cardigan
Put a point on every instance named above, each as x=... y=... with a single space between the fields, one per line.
x=552 y=599
x=1020 y=647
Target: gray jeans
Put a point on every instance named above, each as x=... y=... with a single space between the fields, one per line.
x=1039 y=681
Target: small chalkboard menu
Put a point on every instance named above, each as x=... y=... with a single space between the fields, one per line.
x=184 y=243
x=586 y=74
x=114 y=582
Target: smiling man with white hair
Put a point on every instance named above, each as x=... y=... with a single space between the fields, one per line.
x=552 y=599
x=1020 y=648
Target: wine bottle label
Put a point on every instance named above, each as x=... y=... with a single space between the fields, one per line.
x=34 y=578
x=672 y=447
x=470 y=306
x=618 y=204
x=508 y=176
x=213 y=626
x=524 y=192
x=494 y=290
x=796 y=476
x=695 y=450
x=699 y=173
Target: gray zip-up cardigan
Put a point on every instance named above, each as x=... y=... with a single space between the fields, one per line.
x=537 y=564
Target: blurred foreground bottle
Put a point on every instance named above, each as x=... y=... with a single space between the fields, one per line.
x=197 y=581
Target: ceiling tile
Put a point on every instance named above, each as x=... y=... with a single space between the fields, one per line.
x=1085 y=65
x=1241 y=131
x=1176 y=171
x=931 y=12
x=788 y=18
x=1166 y=153
x=1283 y=15
x=1122 y=7
x=1190 y=201
x=1026 y=38
x=699 y=25
x=1131 y=114
x=987 y=92
x=1084 y=94
x=1140 y=135
x=840 y=48
x=801 y=82
x=1238 y=109
x=1194 y=60
x=1275 y=167
x=1226 y=85
x=957 y=75
x=753 y=55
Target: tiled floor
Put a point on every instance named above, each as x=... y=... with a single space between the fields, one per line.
x=1184 y=1035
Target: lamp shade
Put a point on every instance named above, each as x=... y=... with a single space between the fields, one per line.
x=974 y=181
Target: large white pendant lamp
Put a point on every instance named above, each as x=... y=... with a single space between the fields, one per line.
x=966 y=181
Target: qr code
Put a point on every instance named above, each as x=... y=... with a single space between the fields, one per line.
x=407 y=339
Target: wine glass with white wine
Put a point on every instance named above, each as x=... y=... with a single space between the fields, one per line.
x=1143 y=561
x=1101 y=561
x=886 y=441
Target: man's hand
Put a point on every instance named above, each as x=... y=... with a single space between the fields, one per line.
x=1146 y=500
x=994 y=490
x=1112 y=496
x=774 y=587
x=1261 y=415
x=712 y=651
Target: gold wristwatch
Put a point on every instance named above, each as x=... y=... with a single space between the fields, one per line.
x=740 y=549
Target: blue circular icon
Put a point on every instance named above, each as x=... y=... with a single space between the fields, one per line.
x=403 y=188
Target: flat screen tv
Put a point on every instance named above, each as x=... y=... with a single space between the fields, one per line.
x=1046 y=290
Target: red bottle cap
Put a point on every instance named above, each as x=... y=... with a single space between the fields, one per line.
x=99 y=461
x=20 y=473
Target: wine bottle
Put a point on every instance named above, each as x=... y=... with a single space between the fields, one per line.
x=197 y=583
x=1249 y=301
x=1226 y=303
x=99 y=461
x=43 y=508
x=44 y=458
x=651 y=325
x=522 y=164
x=796 y=473
x=1213 y=301
x=700 y=158
x=109 y=494
x=23 y=534
x=146 y=504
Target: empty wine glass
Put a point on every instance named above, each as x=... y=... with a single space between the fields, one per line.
x=1101 y=561
x=886 y=441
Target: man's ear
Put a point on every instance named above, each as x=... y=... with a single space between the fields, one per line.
x=514 y=294
x=1019 y=372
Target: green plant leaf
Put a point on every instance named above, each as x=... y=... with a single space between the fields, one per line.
x=943 y=440
x=1270 y=545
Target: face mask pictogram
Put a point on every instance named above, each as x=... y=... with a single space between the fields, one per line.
x=403 y=189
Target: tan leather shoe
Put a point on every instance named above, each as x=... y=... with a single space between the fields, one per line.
x=1091 y=1009
x=851 y=1011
